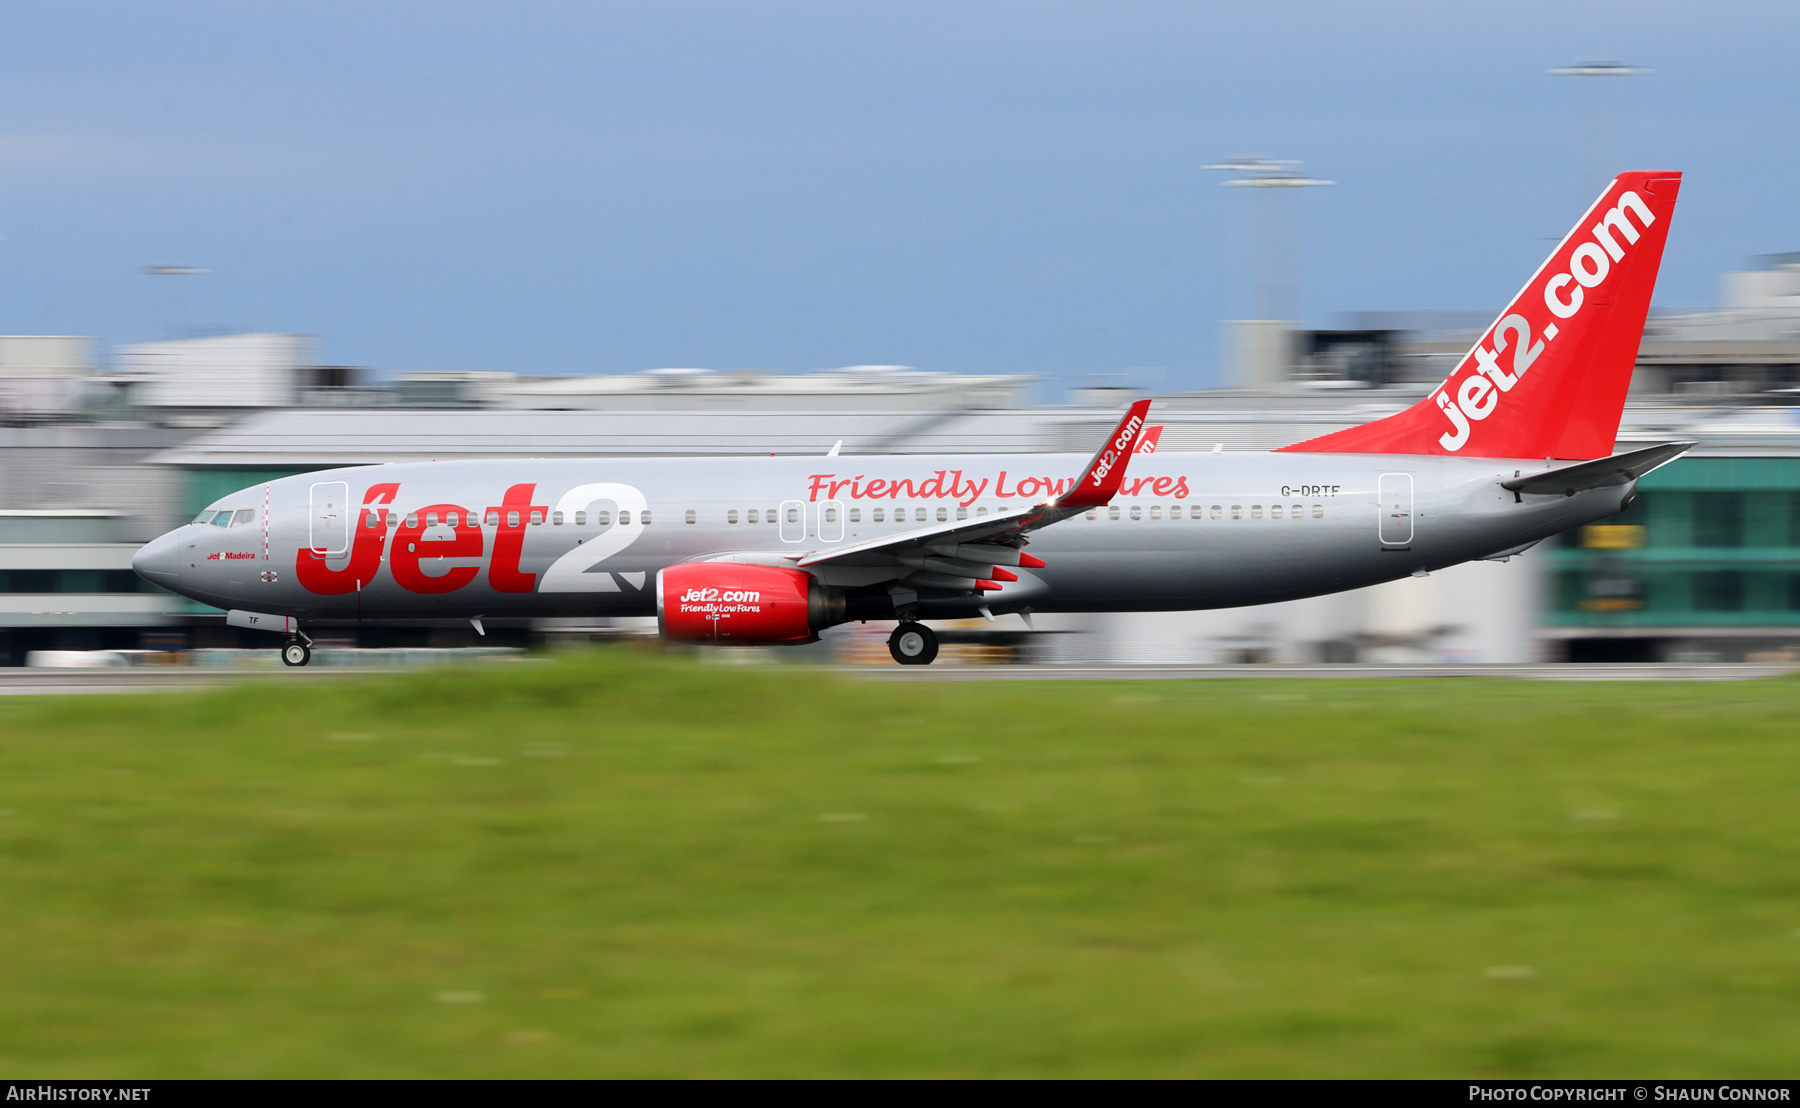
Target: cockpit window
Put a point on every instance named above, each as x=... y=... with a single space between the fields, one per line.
x=227 y=518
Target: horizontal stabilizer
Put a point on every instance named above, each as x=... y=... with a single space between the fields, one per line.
x=1600 y=473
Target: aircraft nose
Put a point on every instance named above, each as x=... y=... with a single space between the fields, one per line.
x=159 y=561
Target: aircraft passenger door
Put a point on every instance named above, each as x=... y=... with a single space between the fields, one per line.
x=831 y=521
x=793 y=521
x=328 y=518
x=1394 y=508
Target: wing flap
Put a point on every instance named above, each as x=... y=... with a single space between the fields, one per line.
x=956 y=533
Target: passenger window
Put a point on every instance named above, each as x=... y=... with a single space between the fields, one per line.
x=769 y=516
x=750 y=516
x=493 y=518
x=1137 y=512
x=731 y=516
x=690 y=516
x=943 y=515
x=793 y=515
x=624 y=519
x=856 y=515
x=1093 y=513
x=602 y=519
x=243 y=516
x=830 y=515
x=512 y=519
x=556 y=519
x=962 y=512
x=1318 y=511
x=372 y=519
x=980 y=512
x=1216 y=514
x=1256 y=511
x=1237 y=511
x=878 y=514
x=1112 y=511
x=644 y=518
x=412 y=519
x=431 y=519
x=537 y=518
x=1274 y=511
x=581 y=519
x=1156 y=511
x=1299 y=511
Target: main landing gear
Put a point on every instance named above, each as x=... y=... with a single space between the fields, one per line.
x=913 y=644
x=296 y=652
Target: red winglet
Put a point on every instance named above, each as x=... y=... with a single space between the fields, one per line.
x=1030 y=561
x=1106 y=472
x=984 y=585
x=1001 y=573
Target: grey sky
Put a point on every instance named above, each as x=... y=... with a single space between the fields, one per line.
x=973 y=187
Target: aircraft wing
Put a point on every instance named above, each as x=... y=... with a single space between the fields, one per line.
x=973 y=554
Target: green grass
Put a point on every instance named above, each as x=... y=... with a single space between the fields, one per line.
x=620 y=865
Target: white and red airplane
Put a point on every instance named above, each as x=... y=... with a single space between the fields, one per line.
x=1515 y=445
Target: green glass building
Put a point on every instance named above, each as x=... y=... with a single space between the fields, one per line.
x=1703 y=566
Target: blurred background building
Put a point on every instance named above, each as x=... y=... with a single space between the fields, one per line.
x=100 y=453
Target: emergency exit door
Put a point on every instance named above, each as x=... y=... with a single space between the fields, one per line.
x=793 y=521
x=1394 y=508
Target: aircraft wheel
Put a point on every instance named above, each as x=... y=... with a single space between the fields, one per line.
x=913 y=644
x=296 y=653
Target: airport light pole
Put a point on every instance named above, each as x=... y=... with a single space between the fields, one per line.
x=1600 y=125
x=178 y=293
x=1275 y=298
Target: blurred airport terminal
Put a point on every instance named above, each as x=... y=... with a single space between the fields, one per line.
x=104 y=450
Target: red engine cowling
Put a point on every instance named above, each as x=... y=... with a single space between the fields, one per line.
x=726 y=602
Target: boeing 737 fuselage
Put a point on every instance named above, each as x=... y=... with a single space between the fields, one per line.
x=1515 y=446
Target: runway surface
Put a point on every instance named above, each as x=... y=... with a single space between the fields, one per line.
x=1545 y=672
x=38 y=682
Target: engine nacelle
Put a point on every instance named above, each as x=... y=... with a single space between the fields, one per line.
x=726 y=602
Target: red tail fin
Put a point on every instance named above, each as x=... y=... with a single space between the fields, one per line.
x=1548 y=379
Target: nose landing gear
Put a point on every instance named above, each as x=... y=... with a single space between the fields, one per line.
x=913 y=644
x=296 y=652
